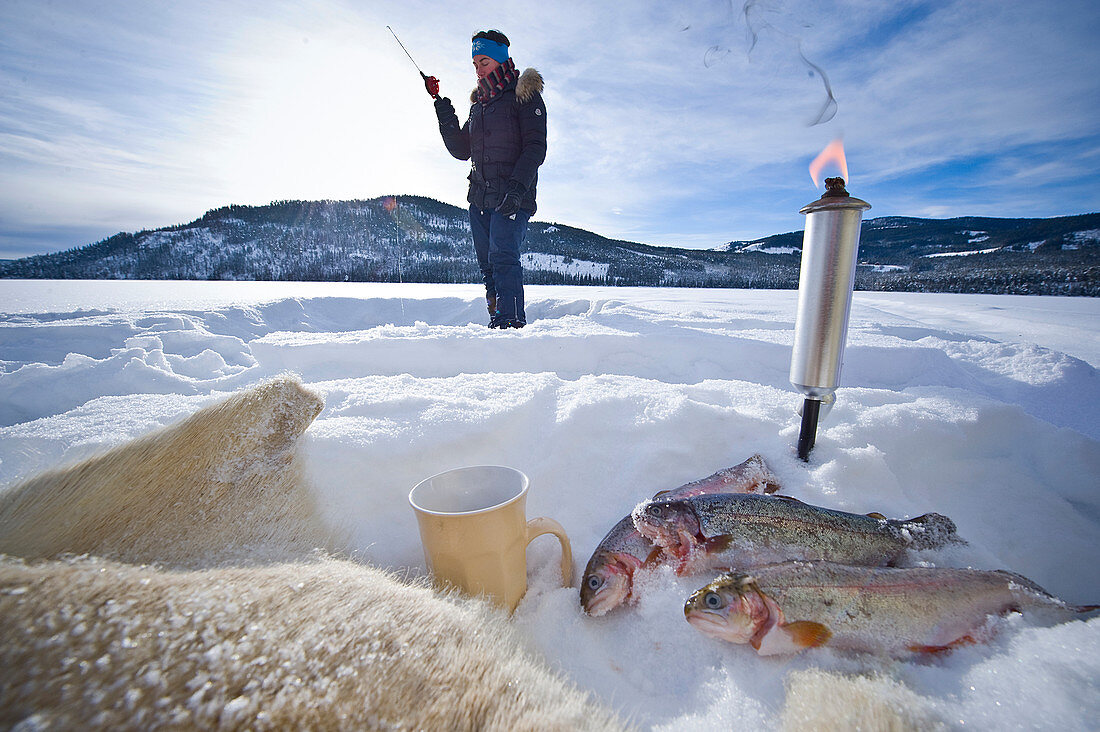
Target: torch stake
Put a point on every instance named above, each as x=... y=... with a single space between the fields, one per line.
x=807 y=435
x=825 y=283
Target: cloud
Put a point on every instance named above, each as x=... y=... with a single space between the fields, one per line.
x=675 y=123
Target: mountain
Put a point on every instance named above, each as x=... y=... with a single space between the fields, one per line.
x=418 y=239
x=1055 y=256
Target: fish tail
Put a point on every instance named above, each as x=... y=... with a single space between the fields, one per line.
x=931 y=531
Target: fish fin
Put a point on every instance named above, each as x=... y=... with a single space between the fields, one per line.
x=655 y=557
x=876 y=515
x=658 y=494
x=717 y=544
x=791 y=638
x=807 y=633
x=787 y=498
x=966 y=640
x=1082 y=609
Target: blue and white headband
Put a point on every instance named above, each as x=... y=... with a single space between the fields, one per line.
x=485 y=47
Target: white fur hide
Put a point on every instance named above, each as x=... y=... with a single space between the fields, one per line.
x=173 y=582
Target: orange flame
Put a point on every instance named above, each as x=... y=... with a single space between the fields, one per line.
x=833 y=153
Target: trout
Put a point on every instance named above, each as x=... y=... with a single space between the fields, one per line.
x=783 y=608
x=608 y=580
x=738 y=531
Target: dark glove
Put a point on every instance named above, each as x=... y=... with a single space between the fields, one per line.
x=444 y=110
x=510 y=205
x=432 y=85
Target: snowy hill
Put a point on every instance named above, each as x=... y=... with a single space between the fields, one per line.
x=417 y=239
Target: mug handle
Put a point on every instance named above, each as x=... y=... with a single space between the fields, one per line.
x=542 y=525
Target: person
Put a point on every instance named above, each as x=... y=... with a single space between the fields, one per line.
x=504 y=139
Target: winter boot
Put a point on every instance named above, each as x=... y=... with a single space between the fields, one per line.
x=491 y=305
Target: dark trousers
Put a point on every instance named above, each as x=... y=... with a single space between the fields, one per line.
x=497 y=241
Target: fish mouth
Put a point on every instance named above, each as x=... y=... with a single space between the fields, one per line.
x=746 y=615
x=717 y=626
x=605 y=600
x=615 y=589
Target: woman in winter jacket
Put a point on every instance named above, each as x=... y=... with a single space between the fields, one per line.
x=504 y=139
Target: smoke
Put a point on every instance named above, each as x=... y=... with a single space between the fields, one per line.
x=754 y=13
x=759 y=20
x=829 y=106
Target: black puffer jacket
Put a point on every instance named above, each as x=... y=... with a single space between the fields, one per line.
x=504 y=139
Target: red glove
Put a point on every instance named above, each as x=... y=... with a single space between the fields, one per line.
x=432 y=85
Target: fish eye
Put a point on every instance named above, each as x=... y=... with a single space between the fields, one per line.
x=655 y=510
x=712 y=600
x=593 y=582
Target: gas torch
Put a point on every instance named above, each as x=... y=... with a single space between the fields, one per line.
x=825 y=284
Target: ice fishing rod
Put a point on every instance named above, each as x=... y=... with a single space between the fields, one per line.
x=427 y=79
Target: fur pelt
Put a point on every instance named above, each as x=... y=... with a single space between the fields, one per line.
x=823 y=701
x=240 y=624
x=93 y=644
x=528 y=84
x=223 y=485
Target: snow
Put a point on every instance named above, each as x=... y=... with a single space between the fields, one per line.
x=978 y=407
x=976 y=236
x=967 y=254
x=761 y=247
x=558 y=263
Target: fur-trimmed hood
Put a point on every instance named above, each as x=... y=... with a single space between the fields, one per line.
x=528 y=84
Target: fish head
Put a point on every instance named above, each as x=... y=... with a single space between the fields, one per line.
x=671 y=525
x=731 y=608
x=608 y=581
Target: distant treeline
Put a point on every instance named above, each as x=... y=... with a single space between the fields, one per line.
x=423 y=240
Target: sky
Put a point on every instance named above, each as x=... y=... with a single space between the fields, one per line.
x=683 y=124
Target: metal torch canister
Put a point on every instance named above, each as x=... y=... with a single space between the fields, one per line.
x=825 y=284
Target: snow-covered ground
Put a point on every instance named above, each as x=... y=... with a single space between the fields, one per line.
x=558 y=263
x=982 y=408
x=964 y=254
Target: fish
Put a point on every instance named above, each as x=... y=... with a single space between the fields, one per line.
x=608 y=580
x=886 y=611
x=737 y=531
